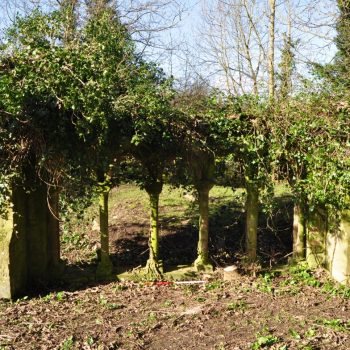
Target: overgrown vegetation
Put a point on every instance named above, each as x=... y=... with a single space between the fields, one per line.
x=259 y=180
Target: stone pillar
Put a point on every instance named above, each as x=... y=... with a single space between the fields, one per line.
x=37 y=240
x=13 y=248
x=316 y=238
x=55 y=264
x=29 y=241
x=338 y=250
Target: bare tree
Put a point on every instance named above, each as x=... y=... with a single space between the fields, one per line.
x=234 y=43
x=146 y=20
x=242 y=41
x=271 y=56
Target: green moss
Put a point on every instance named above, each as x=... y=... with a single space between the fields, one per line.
x=6 y=226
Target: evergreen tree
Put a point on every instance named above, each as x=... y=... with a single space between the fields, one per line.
x=342 y=59
x=286 y=66
x=338 y=72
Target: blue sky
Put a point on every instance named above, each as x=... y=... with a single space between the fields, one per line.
x=186 y=55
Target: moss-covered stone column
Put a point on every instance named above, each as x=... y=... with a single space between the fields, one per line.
x=13 y=248
x=252 y=219
x=37 y=237
x=154 y=266
x=29 y=239
x=299 y=232
x=316 y=236
x=6 y=234
x=105 y=267
x=202 y=262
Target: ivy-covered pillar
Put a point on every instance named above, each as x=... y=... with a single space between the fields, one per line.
x=202 y=262
x=202 y=165
x=252 y=218
x=154 y=265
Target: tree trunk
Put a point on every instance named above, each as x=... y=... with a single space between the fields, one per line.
x=299 y=233
x=154 y=265
x=271 y=56
x=252 y=216
x=105 y=266
x=202 y=261
x=69 y=9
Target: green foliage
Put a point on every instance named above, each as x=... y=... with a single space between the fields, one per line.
x=67 y=344
x=286 y=66
x=337 y=73
x=265 y=282
x=309 y=147
x=335 y=324
x=264 y=341
x=301 y=273
x=5 y=194
x=78 y=100
x=237 y=306
x=213 y=285
x=334 y=289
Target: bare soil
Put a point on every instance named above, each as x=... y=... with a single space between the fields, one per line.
x=216 y=315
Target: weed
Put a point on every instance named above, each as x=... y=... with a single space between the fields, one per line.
x=265 y=341
x=220 y=346
x=102 y=300
x=67 y=344
x=213 y=285
x=120 y=287
x=265 y=282
x=115 y=306
x=168 y=303
x=238 y=305
x=336 y=324
x=74 y=239
x=190 y=289
x=310 y=333
x=301 y=273
x=48 y=297
x=336 y=289
x=60 y=296
x=99 y=321
x=90 y=341
x=201 y=299
x=152 y=317
x=295 y=334
x=19 y=300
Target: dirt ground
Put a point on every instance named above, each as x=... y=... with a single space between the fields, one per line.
x=272 y=307
x=250 y=313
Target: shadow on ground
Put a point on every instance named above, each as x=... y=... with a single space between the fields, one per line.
x=178 y=242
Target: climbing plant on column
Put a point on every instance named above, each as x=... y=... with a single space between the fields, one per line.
x=158 y=132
